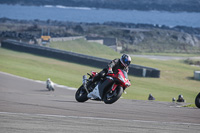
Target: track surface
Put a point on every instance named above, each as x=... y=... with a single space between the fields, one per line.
x=27 y=106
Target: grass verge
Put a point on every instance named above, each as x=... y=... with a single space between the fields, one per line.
x=190 y=106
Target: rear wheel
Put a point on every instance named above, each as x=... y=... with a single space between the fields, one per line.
x=197 y=100
x=112 y=96
x=81 y=94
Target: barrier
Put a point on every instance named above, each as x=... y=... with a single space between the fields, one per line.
x=134 y=70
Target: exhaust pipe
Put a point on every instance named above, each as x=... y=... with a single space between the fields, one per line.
x=85 y=82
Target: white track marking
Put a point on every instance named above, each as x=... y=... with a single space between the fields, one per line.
x=38 y=81
x=98 y=118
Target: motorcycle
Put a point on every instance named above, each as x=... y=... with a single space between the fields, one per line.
x=197 y=100
x=110 y=87
x=50 y=86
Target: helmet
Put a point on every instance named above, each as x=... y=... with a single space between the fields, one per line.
x=125 y=60
x=180 y=96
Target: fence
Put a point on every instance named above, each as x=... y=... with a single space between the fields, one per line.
x=134 y=70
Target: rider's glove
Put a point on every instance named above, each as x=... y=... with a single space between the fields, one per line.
x=110 y=70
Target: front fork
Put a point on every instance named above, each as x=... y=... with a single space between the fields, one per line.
x=114 y=86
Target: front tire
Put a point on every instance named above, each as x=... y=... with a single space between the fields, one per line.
x=81 y=94
x=197 y=100
x=112 y=96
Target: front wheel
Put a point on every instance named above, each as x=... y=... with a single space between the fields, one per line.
x=81 y=94
x=197 y=100
x=112 y=96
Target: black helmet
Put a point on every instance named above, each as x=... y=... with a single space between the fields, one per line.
x=125 y=60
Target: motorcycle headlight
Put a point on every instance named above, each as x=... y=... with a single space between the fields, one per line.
x=121 y=78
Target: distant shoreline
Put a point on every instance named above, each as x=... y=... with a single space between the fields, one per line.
x=144 y=5
x=93 y=15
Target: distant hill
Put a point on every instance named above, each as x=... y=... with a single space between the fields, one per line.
x=134 y=38
x=161 y=5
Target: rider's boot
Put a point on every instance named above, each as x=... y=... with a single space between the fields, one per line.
x=99 y=76
x=94 y=79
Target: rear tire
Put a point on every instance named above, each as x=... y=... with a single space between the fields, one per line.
x=110 y=98
x=81 y=94
x=197 y=100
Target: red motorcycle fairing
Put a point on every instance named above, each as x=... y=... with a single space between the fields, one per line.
x=94 y=73
x=120 y=77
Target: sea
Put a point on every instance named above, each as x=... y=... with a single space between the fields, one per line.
x=94 y=15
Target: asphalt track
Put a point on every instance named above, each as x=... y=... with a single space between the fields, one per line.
x=27 y=106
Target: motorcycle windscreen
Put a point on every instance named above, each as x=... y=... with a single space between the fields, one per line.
x=125 y=74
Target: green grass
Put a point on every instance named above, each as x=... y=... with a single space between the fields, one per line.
x=176 y=76
x=88 y=48
x=40 y=68
x=190 y=106
x=169 y=54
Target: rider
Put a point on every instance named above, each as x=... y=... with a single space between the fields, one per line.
x=49 y=84
x=113 y=66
